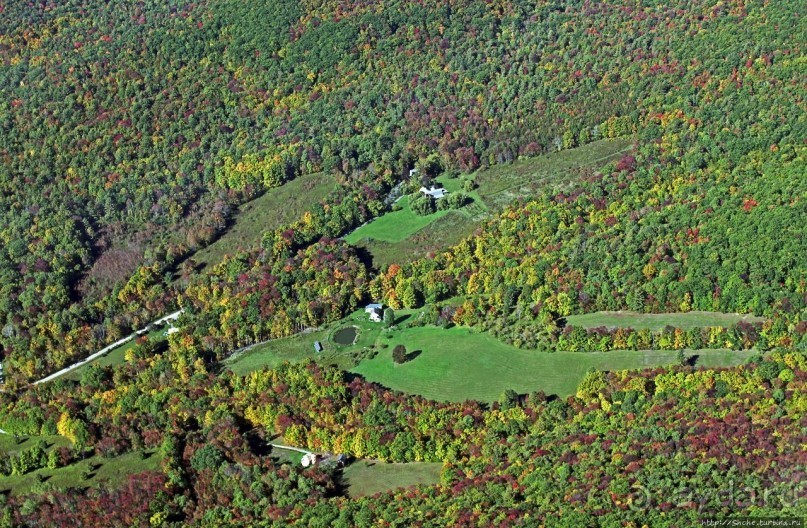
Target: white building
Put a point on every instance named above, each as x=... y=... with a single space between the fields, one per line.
x=376 y=312
x=434 y=192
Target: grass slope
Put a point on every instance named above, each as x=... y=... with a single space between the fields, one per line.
x=276 y=207
x=641 y=321
x=9 y=446
x=108 y=470
x=368 y=478
x=396 y=226
x=459 y=364
x=502 y=184
x=301 y=347
x=401 y=236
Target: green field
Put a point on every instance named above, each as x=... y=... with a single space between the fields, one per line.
x=279 y=206
x=301 y=347
x=396 y=226
x=8 y=445
x=368 y=477
x=401 y=236
x=656 y=322
x=108 y=470
x=502 y=184
x=444 y=232
x=460 y=364
x=113 y=357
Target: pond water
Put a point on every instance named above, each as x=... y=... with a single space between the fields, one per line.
x=346 y=335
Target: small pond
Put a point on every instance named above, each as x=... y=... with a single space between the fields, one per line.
x=346 y=335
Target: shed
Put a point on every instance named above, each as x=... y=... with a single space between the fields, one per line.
x=317 y=347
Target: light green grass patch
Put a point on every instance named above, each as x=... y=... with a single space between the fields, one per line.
x=279 y=206
x=461 y=364
x=110 y=472
x=657 y=322
x=287 y=456
x=397 y=226
x=367 y=477
x=501 y=184
x=9 y=446
x=394 y=226
x=300 y=347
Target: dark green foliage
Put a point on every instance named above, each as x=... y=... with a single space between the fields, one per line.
x=389 y=317
x=206 y=457
x=422 y=205
x=399 y=354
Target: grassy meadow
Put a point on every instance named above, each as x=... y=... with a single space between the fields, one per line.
x=276 y=207
x=367 y=477
x=458 y=364
x=402 y=236
x=104 y=470
x=657 y=322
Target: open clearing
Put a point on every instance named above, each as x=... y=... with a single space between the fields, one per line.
x=279 y=206
x=396 y=226
x=460 y=364
x=401 y=236
x=301 y=347
x=107 y=470
x=500 y=185
x=365 y=477
x=656 y=322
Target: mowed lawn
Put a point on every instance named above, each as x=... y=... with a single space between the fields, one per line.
x=298 y=348
x=641 y=321
x=367 y=477
x=444 y=232
x=401 y=236
x=460 y=364
x=109 y=471
x=279 y=206
x=396 y=226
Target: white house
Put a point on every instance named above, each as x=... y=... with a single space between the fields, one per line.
x=376 y=312
x=434 y=192
x=309 y=459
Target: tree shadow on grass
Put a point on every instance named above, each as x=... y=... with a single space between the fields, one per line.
x=412 y=355
x=402 y=318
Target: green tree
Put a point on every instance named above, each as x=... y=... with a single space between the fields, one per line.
x=399 y=354
x=389 y=317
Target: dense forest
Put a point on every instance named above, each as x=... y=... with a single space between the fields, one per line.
x=659 y=448
x=131 y=131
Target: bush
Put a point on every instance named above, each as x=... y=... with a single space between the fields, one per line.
x=453 y=201
x=422 y=205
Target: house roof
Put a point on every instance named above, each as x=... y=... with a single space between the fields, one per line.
x=373 y=306
x=434 y=192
